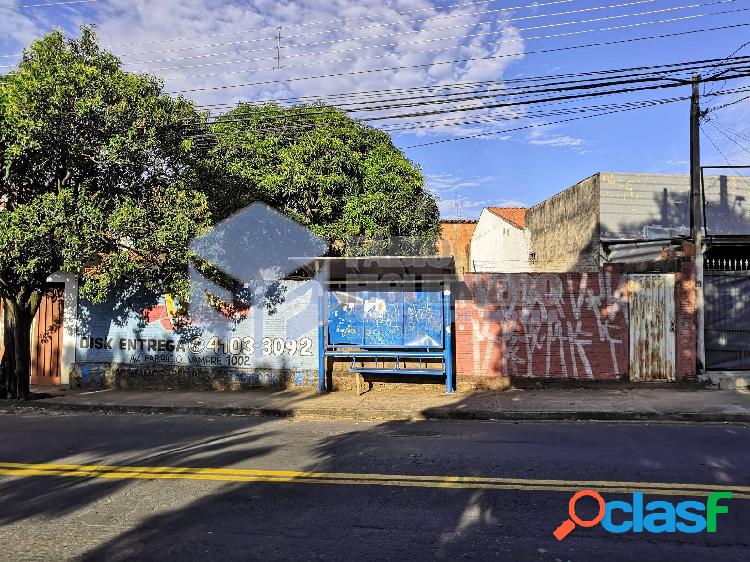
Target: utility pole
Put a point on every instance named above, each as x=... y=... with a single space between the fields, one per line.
x=278 y=49
x=696 y=221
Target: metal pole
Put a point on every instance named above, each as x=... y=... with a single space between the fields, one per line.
x=450 y=386
x=696 y=222
x=278 y=49
x=321 y=341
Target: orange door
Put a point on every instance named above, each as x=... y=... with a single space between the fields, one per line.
x=46 y=337
x=2 y=323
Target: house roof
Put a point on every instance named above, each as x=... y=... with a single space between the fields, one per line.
x=514 y=215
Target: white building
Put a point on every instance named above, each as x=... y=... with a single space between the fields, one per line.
x=499 y=243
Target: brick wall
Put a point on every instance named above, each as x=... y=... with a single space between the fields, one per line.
x=563 y=326
x=685 y=320
x=455 y=240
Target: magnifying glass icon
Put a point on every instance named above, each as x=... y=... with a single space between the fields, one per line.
x=569 y=524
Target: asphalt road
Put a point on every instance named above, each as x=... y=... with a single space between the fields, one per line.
x=351 y=491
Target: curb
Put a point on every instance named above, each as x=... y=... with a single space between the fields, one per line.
x=390 y=415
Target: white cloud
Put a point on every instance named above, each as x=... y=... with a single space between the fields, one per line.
x=17 y=29
x=542 y=134
x=458 y=196
x=557 y=141
x=315 y=42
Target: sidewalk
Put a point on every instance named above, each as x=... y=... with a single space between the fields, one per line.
x=656 y=404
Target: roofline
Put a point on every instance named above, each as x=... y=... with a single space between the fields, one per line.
x=594 y=175
x=514 y=225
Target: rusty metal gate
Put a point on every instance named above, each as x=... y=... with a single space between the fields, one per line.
x=727 y=328
x=652 y=327
x=46 y=337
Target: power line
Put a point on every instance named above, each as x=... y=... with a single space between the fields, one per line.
x=730 y=138
x=523 y=94
x=567 y=86
x=628 y=106
x=572 y=85
x=277 y=57
x=722 y=154
x=722 y=106
x=479 y=135
x=309 y=126
x=534 y=101
x=436 y=63
x=388 y=35
x=257 y=40
x=339 y=20
x=733 y=131
x=359 y=59
x=46 y=4
x=440 y=87
x=552 y=113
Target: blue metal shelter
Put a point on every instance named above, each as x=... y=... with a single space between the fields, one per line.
x=382 y=326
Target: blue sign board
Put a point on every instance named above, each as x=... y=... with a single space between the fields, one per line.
x=386 y=318
x=423 y=319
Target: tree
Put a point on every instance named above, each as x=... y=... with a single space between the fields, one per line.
x=97 y=177
x=342 y=179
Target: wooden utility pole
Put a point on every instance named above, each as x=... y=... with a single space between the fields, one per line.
x=696 y=221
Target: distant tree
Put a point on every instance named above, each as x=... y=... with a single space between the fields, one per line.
x=336 y=176
x=97 y=177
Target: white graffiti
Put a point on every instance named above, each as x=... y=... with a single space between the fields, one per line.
x=547 y=325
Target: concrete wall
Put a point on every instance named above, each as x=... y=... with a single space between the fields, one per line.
x=455 y=240
x=498 y=245
x=563 y=231
x=130 y=341
x=644 y=206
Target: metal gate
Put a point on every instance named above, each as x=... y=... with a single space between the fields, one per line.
x=46 y=337
x=727 y=320
x=652 y=327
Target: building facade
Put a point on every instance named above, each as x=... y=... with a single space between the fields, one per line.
x=499 y=243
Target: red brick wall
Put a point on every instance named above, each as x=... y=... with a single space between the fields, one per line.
x=685 y=319
x=455 y=240
x=570 y=325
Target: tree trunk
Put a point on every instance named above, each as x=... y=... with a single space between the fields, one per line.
x=8 y=364
x=19 y=317
x=24 y=319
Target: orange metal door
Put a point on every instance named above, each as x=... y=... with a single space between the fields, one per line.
x=46 y=337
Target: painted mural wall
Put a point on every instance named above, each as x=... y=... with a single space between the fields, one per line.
x=278 y=332
x=567 y=326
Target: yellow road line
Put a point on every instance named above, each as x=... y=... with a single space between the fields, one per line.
x=287 y=476
x=356 y=476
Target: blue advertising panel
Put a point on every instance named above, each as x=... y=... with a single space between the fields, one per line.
x=423 y=319
x=384 y=313
x=345 y=318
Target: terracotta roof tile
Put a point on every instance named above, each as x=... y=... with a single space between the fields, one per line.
x=514 y=215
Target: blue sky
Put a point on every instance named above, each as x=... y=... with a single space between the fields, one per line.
x=207 y=48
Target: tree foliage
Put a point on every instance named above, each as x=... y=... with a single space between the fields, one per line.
x=336 y=176
x=96 y=178
x=104 y=175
